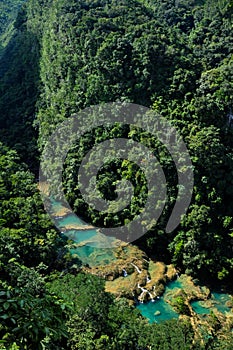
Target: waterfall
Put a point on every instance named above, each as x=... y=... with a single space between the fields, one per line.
x=139 y=271
x=124 y=273
x=144 y=291
x=151 y=296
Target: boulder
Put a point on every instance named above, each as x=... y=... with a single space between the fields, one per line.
x=157 y=313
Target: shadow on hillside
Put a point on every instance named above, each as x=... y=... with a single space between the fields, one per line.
x=19 y=76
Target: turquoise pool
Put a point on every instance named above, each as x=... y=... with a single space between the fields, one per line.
x=199 y=307
x=164 y=310
x=89 y=251
x=220 y=301
x=71 y=220
x=90 y=254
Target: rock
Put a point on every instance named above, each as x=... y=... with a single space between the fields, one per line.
x=157 y=313
x=171 y=273
x=109 y=278
x=229 y=304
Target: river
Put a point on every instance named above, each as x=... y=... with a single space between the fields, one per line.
x=88 y=250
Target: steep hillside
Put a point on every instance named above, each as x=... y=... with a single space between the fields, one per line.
x=8 y=13
x=175 y=57
x=60 y=56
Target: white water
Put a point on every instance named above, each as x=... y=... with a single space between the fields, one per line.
x=138 y=270
x=124 y=273
x=144 y=291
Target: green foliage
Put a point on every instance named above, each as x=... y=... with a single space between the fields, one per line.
x=59 y=56
x=29 y=248
x=99 y=322
x=25 y=230
x=29 y=313
x=19 y=78
x=175 y=56
x=180 y=305
x=169 y=335
x=8 y=13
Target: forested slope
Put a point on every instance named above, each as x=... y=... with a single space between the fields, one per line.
x=173 y=56
x=8 y=13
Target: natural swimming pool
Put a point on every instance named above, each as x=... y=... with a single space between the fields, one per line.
x=160 y=310
x=88 y=252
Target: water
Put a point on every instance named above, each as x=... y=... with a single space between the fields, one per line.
x=57 y=207
x=81 y=236
x=77 y=235
x=174 y=284
x=89 y=250
x=166 y=311
x=93 y=256
x=71 y=220
x=199 y=307
x=221 y=300
x=217 y=300
x=89 y=253
x=149 y=309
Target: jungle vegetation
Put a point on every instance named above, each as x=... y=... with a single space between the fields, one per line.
x=58 y=57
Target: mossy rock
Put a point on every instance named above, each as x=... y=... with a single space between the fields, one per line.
x=229 y=304
x=109 y=278
x=159 y=289
x=180 y=304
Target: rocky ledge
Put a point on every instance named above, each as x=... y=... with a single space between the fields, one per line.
x=133 y=275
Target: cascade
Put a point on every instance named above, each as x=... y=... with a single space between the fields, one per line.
x=124 y=273
x=138 y=270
